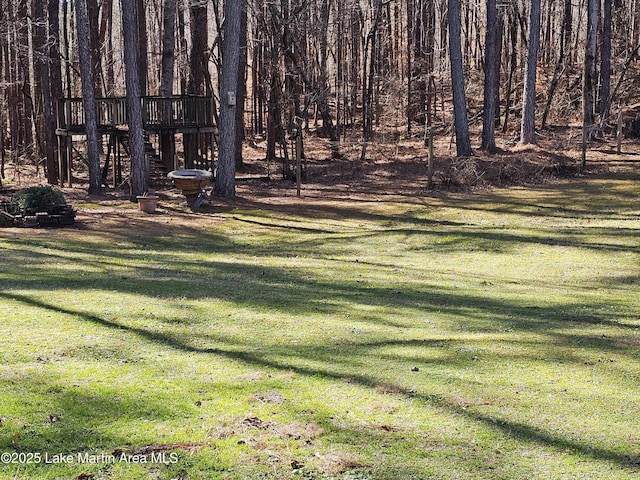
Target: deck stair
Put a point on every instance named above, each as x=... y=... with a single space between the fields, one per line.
x=163 y=119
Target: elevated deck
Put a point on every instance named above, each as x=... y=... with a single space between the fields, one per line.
x=161 y=115
x=192 y=116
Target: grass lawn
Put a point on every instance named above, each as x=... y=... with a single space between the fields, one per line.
x=477 y=336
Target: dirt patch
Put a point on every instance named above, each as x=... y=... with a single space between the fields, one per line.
x=396 y=166
x=393 y=167
x=337 y=462
x=275 y=398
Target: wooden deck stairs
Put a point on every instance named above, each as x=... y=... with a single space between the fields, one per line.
x=163 y=117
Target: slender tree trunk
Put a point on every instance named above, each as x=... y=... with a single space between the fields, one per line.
x=168 y=48
x=2 y=116
x=490 y=78
x=411 y=25
x=528 y=125
x=54 y=90
x=513 y=60
x=93 y=14
x=142 y=44
x=67 y=142
x=105 y=26
x=567 y=26
x=88 y=97
x=36 y=94
x=44 y=69
x=589 y=77
x=275 y=132
x=138 y=177
x=108 y=41
x=196 y=84
x=560 y=64
x=167 y=144
x=181 y=14
x=498 y=60
x=463 y=141
x=242 y=89
x=368 y=74
x=225 y=178
x=632 y=56
x=430 y=50
x=23 y=79
x=198 y=48
x=322 y=102
x=604 y=98
x=546 y=38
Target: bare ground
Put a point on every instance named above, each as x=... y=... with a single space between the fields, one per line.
x=394 y=167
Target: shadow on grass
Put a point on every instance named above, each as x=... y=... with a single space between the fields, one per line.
x=80 y=416
x=292 y=290
x=171 y=267
x=604 y=197
x=515 y=430
x=596 y=197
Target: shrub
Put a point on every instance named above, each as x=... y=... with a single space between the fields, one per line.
x=32 y=200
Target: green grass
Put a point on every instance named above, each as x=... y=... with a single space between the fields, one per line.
x=486 y=336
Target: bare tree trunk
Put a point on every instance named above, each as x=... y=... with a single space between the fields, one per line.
x=560 y=64
x=54 y=90
x=2 y=116
x=513 y=60
x=242 y=89
x=104 y=43
x=138 y=178
x=93 y=14
x=322 y=102
x=167 y=144
x=500 y=25
x=275 y=133
x=589 y=77
x=567 y=26
x=411 y=25
x=198 y=48
x=429 y=22
x=88 y=97
x=368 y=74
x=168 y=47
x=22 y=78
x=196 y=84
x=631 y=58
x=142 y=44
x=36 y=95
x=110 y=81
x=490 y=79
x=528 y=125
x=44 y=70
x=463 y=142
x=65 y=161
x=604 y=98
x=225 y=178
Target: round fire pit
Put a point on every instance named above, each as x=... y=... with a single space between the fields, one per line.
x=191 y=182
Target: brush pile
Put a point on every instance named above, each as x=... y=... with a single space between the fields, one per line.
x=38 y=206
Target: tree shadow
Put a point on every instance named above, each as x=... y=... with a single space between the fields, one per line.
x=178 y=266
x=80 y=415
x=330 y=370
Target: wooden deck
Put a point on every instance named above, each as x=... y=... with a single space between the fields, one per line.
x=161 y=115
x=192 y=116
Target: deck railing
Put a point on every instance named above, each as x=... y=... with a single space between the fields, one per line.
x=176 y=112
x=158 y=112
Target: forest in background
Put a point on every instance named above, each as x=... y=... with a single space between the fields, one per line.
x=338 y=69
